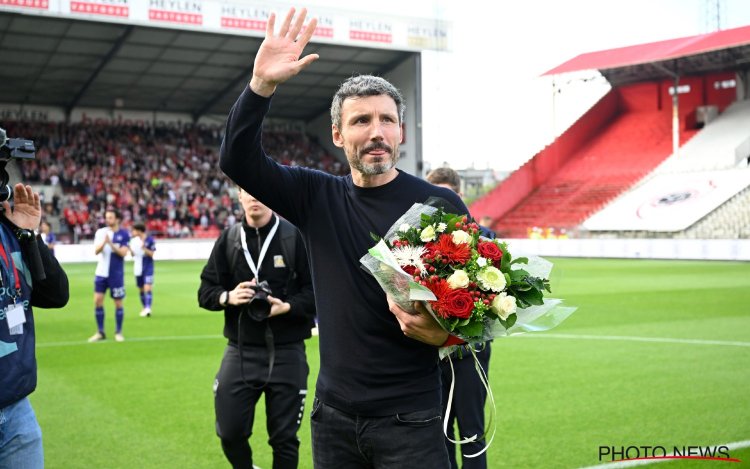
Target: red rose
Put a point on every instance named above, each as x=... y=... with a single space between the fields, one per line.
x=456 y=303
x=490 y=250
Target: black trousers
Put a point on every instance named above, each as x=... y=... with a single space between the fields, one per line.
x=238 y=386
x=467 y=408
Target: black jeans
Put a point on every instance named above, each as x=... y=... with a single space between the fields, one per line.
x=467 y=408
x=408 y=440
x=237 y=390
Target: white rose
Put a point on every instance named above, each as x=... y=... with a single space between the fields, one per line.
x=504 y=305
x=441 y=227
x=461 y=237
x=481 y=261
x=404 y=228
x=428 y=234
x=458 y=279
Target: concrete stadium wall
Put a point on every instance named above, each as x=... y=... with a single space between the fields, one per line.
x=705 y=249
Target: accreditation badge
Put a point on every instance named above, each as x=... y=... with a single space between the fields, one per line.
x=16 y=318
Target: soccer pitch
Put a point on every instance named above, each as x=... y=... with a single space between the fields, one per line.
x=657 y=354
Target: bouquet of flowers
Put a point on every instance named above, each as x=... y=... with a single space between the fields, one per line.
x=471 y=284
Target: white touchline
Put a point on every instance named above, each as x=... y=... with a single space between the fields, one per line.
x=730 y=446
x=666 y=340
x=136 y=339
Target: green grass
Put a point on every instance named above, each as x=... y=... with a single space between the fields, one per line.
x=148 y=402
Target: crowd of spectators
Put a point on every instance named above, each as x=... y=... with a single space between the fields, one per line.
x=166 y=176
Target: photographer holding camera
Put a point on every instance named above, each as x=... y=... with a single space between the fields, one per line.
x=259 y=275
x=29 y=276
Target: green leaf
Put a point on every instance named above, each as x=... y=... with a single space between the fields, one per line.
x=511 y=320
x=473 y=329
x=520 y=260
x=506 y=258
x=531 y=296
x=518 y=275
x=375 y=237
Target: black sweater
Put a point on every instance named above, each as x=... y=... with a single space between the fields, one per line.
x=367 y=365
x=218 y=276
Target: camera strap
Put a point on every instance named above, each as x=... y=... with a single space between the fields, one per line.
x=243 y=239
x=256 y=269
x=270 y=348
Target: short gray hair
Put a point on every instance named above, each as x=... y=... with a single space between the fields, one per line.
x=365 y=85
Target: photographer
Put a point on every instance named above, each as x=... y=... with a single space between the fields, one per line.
x=259 y=275
x=29 y=276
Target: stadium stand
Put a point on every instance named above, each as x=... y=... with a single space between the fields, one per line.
x=693 y=193
x=722 y=143
x=167 y=176
x=604 y=163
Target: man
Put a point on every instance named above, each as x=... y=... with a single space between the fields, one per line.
x=111 y=245
x=378 y=391
x=48 y=237
x=142 y=247
x=265 y=351
x=469 y=394
x=30 y=277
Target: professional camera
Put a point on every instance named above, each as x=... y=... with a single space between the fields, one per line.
x=12 y=148
x=259 y=308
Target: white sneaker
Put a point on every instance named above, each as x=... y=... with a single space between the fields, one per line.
x=119 y=337
x=98 y=337
x=146 y=313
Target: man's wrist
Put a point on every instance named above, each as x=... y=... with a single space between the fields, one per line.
x=224 y=298
x=261 y=87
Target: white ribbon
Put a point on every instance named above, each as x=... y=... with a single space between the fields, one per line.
x=263 y=249
x=485 y=382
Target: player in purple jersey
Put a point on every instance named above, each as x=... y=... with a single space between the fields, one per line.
x=48 y=237
x=111 y=245
x=142 y=246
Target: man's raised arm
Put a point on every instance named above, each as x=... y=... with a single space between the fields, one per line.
x=278 y=58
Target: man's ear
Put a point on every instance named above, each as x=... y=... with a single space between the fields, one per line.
x=338 y=140
x=403 y=129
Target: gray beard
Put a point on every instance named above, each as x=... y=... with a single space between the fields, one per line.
x=373 y=169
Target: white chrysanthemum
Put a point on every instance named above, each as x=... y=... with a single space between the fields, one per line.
x=490 y=278
x=410 y=255
x=404 y=227
x=461 y=237
x=481 y=261
x=441 y=227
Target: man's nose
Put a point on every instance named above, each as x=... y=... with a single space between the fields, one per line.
x=377 y=131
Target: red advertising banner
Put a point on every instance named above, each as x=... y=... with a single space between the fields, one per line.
x=35 y=4
x=92 y=8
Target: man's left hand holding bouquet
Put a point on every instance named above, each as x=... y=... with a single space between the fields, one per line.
x=421 y=326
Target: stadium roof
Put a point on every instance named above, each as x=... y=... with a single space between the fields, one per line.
x=725 y=50
x=72 y=63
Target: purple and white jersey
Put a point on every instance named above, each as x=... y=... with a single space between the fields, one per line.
x=142 y=264
x=109 y=263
